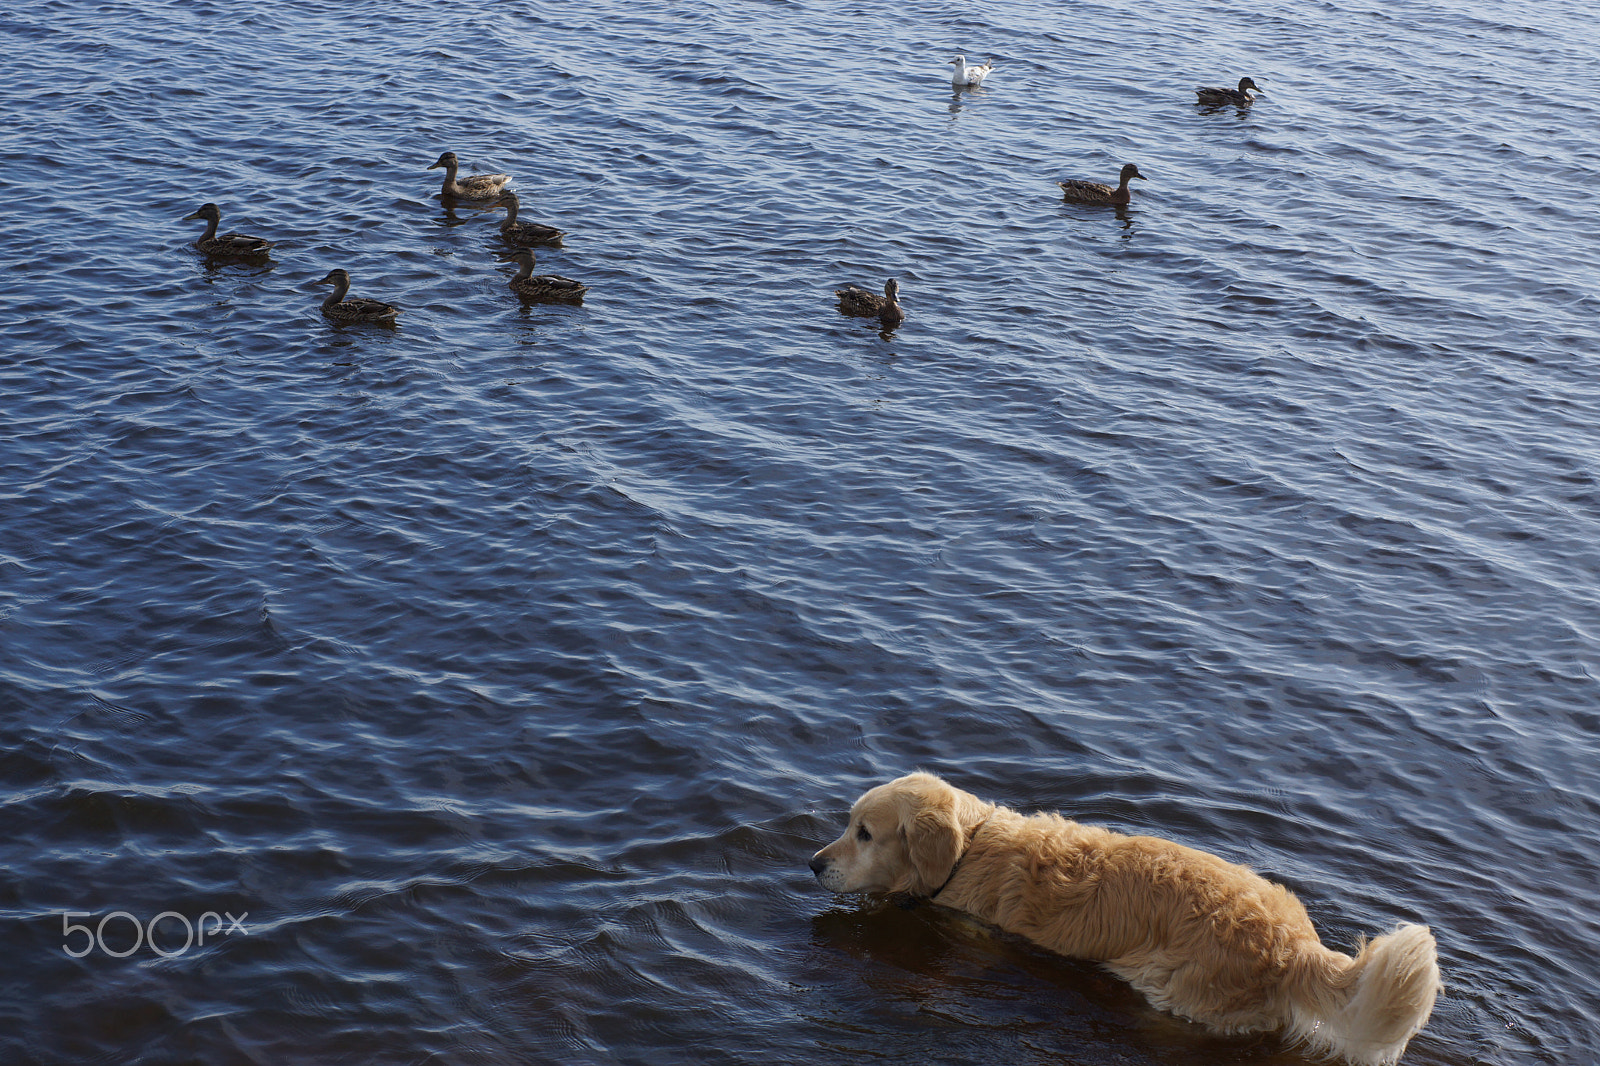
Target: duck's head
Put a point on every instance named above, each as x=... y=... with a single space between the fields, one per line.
x=208 y=212
x=1132 y=171
x=522 y=256
x=508 y=198
x=891 y=289
x=336 y=276
x=448 y=159
x=1247 y=83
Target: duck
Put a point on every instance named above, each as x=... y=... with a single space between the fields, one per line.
x=1211 y=94
x=237 y=245
x=544 y=286
x=526 y=234
x=1093 y=192
x=854 y=300
x=965 y=75
x=473 y=187
x=359 y=309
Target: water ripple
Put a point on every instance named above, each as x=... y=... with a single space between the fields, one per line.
x=503 y=667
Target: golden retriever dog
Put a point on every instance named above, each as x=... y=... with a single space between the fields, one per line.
x=1198 y=936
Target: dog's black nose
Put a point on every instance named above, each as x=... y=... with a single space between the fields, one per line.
x=818 y=865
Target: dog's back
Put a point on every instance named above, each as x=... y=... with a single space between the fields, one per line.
x=1201 y=937
x=1204 y=938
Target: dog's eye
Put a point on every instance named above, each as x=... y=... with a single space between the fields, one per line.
x=862 y=834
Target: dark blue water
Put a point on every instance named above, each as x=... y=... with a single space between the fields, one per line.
x=487 y=680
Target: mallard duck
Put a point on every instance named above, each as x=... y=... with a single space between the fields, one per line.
x=526 y=234
x=854 y=300
x=966 y=75
x=237 y=245
x=1210 y=94
x=359 y=309
x=1092 y=192
x=474 y=187
x=544 y=286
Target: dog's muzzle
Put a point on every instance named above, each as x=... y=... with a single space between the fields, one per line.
x=827 y=874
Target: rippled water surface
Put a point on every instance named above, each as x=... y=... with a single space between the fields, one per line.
x=490 y=678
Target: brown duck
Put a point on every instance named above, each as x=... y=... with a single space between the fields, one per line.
x=472 y=187
x=543 y=286
x=1212 y=95
x=854 y=300
x=1093 y=192
x=234 y=245
x=355 y=309
x=526 y=234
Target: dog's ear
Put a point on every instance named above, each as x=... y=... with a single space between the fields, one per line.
x=932 y=837
x=934 y=844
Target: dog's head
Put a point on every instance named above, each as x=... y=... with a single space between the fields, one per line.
x=905 y=836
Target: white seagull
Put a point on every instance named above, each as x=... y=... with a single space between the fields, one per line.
x=966 y=75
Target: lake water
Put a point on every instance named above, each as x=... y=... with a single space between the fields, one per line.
x=480 y=686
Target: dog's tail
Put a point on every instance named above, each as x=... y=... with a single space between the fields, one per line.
x=1367 y=1013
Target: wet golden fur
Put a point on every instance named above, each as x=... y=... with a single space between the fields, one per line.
x=1198 y=936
